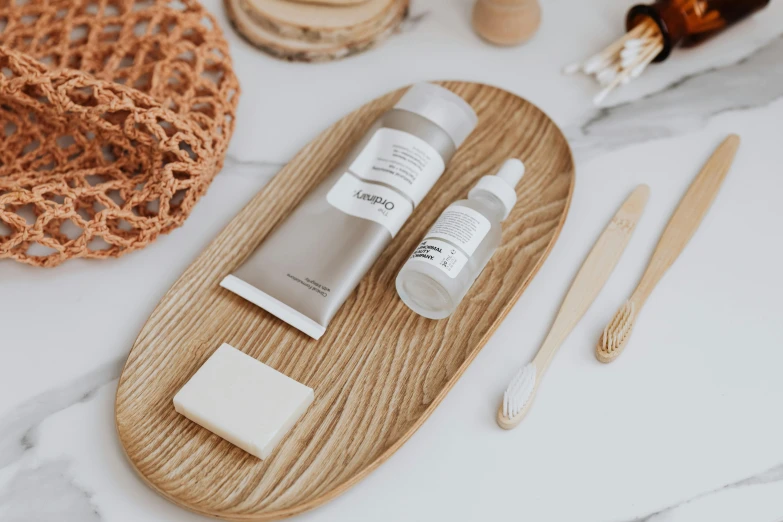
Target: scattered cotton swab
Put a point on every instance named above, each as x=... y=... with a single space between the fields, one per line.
x=623 y=60
x=606 y=76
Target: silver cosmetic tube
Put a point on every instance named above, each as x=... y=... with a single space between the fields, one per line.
x=306 y=268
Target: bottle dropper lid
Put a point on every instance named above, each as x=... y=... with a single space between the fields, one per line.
x=502 y=185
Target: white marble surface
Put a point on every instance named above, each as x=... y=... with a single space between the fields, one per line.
x=687 y=425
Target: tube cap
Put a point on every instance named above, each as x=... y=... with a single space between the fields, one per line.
x=502 y=185
x=442 y=107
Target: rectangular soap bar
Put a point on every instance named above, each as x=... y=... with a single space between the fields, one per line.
x=243 y=400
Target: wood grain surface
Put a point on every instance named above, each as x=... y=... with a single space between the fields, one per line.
x=687 y=217
x=506 y=22
x=379 y=370
x=306 y=40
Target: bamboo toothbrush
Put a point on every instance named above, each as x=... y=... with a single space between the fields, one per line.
x=682 y=225
x=595 y=270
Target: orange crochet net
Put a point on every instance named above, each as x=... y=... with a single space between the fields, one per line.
x=115 y=115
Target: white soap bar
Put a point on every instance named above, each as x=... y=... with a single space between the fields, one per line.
x=243 y=400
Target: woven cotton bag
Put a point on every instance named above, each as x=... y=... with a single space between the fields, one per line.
x=115 y=116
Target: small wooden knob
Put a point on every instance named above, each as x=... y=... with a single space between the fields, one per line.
x=506 y=22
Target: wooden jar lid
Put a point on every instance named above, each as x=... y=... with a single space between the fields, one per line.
x=311 y=32
x=506 y=22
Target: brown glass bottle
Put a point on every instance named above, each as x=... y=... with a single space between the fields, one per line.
x=689 y=22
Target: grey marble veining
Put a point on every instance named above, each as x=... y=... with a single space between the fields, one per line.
x=774 y=474
x=46 y=494
x=685 y=105
x=45 y=485
x=18 y=426
x=233 y=166
x=71 y=503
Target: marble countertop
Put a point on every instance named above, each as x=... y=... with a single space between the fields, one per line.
x=687 y=425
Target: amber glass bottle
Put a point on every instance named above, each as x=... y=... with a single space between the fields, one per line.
x=689 y=22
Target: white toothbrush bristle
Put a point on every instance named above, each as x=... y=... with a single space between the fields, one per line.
x=519 y=391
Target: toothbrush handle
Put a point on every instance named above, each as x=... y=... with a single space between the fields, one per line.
x=595 y=270
x=687 y=217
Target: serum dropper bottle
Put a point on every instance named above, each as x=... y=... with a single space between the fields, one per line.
x=459 y=245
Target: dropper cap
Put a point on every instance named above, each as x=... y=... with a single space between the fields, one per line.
x=502 y=185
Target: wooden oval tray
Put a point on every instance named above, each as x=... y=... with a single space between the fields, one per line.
x=379 y=370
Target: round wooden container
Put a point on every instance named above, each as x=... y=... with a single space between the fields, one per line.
x=314 y=32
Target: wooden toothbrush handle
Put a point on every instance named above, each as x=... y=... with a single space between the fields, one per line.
x=595 y=270
x=687 y=217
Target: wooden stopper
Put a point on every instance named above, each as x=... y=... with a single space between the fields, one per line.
x=506 y=22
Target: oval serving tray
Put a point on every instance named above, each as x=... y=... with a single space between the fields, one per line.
x=379 y=370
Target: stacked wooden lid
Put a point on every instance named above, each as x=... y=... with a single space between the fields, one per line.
x=315 y=30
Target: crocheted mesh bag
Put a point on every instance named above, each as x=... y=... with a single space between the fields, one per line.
x=115 y=115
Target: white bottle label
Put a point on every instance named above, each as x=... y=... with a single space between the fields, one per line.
x=370 y=201
x=461 y=226
x=400 y=160
x=441 y=255
x=463 y=229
